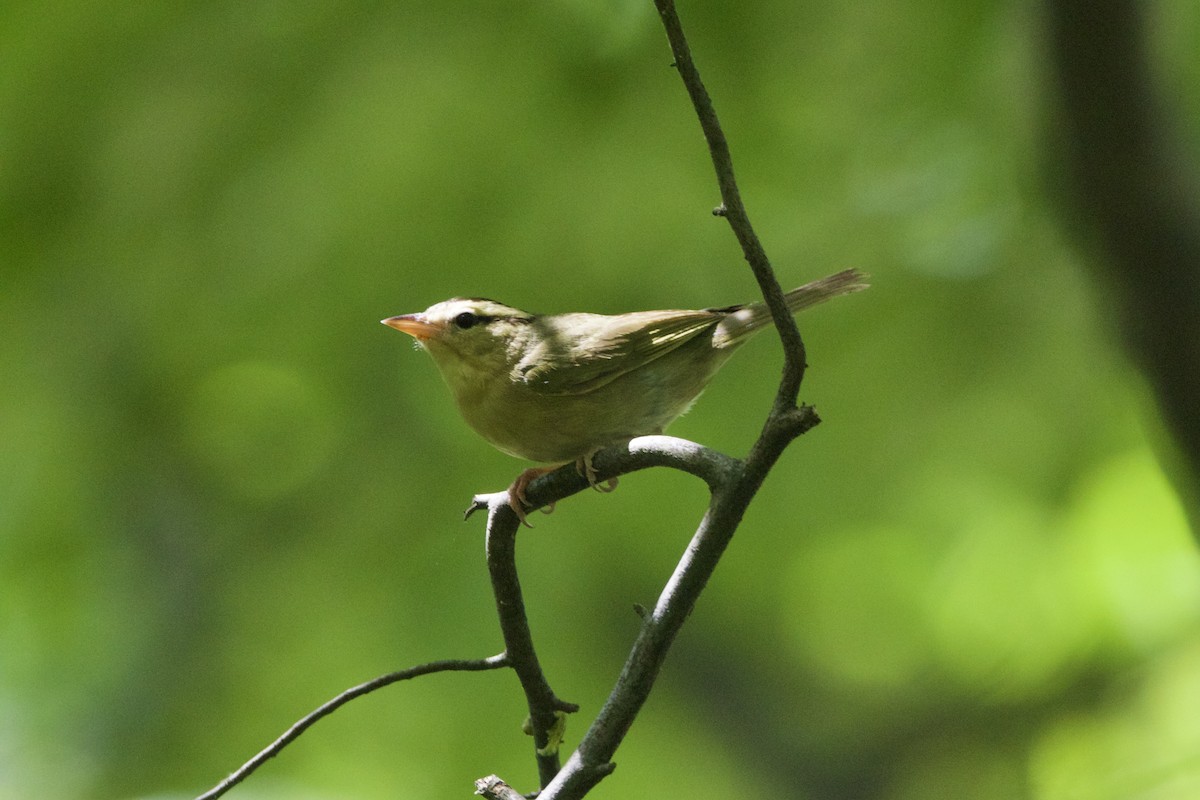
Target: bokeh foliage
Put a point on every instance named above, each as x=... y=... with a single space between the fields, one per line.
x=227 y=493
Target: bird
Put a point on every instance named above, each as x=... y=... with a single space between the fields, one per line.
x=557 y=388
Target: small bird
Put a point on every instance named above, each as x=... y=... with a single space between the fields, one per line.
x=557 y=388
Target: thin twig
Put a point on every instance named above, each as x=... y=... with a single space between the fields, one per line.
x=733 y=209
x=448 y=665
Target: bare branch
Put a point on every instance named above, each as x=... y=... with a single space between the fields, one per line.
x=719 y=472
x=730 y=496
x=449 y=665
x=732 y=484
x=734 y=211
x=545 y=708
x=714 y=468
x=492 y=788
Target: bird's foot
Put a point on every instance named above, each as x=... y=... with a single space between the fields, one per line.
x=583 y=465
x=518 y=502
x=516 y=493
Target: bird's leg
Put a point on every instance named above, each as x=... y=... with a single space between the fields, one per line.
x=583 y=465
x=516 y=492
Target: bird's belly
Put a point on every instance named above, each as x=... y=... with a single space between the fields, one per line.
x=559 y=428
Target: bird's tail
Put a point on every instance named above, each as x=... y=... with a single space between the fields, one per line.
x=749 y=318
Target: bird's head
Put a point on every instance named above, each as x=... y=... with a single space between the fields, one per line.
x=465 y=335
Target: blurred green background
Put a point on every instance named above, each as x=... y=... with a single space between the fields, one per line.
x=227 y=492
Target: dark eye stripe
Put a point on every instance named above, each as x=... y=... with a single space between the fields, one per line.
x=468 y=320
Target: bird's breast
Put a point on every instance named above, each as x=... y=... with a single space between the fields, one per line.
x=552 y=428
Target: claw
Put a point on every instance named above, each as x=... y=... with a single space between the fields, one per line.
x=516 y=493
x=583 y=465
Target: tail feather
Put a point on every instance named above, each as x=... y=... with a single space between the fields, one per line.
x=747 y=319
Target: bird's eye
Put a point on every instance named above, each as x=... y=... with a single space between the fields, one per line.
x=466 y=320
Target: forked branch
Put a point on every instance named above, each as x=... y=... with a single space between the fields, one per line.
x=731 y=495
x=732 y=484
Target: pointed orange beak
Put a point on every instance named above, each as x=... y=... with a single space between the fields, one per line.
x=415 y=325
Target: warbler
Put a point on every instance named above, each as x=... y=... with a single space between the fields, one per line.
x=557 y=388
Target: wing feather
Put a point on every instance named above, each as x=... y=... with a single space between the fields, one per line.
x=579 y=353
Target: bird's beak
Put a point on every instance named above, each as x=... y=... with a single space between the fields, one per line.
x=415 y=325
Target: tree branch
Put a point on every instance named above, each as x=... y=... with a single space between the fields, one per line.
x=714 y=468
x=292 y=733
x=492 y=788
x=732 y=208
x=545 y=708
x=732 y=484
x=593 y=759
x=731 y=492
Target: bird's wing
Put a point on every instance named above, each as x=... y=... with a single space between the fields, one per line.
x=600 y=349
